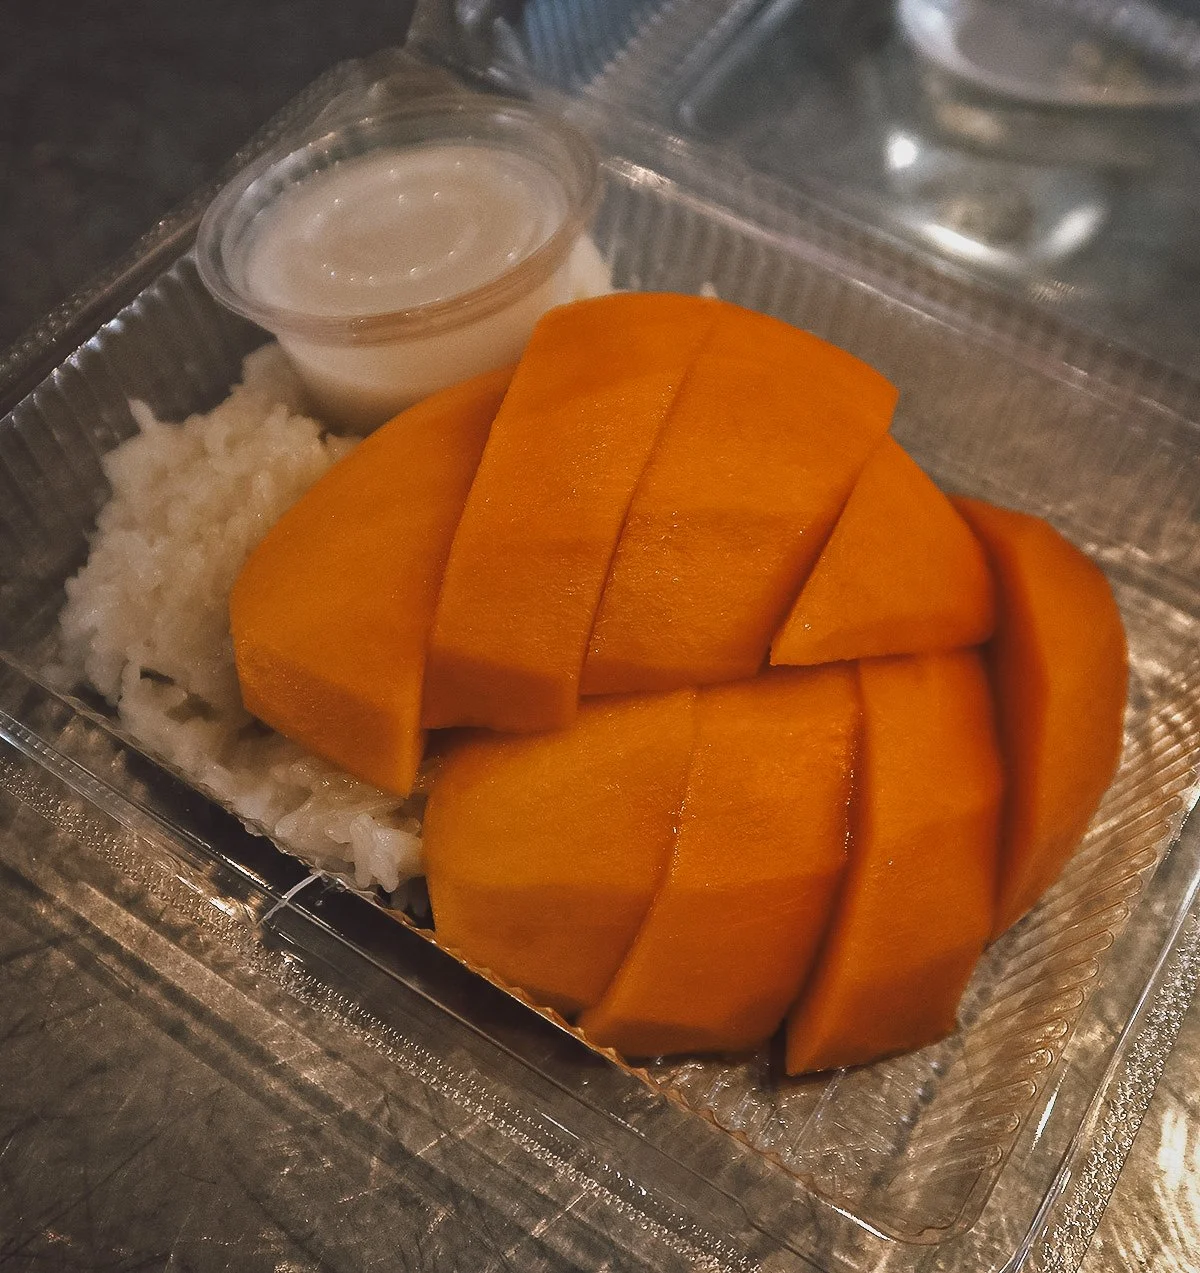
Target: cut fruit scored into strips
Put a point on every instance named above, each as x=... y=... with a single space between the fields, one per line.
x=902 y=573
x=916 y=906
x=331 y=612
x=751 y=468
x=543 y=851
x=543 y=517
x=760 y=849
x=1060 y=675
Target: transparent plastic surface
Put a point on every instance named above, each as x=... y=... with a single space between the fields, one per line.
x=954 y=1156
x=1064 y=52
x=1083 y=203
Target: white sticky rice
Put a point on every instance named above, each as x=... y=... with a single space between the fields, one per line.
x=146 y=621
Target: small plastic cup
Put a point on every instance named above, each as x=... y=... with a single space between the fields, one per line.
x=400 y=312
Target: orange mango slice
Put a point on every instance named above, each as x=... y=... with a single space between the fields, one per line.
x=1060 y=673
x=331 y=612
x=902 y=573
x=543 y=851
x=750 y=470
x=761 y=846
x=916 y=907
x=534 y=544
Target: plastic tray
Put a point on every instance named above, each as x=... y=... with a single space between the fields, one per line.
x=992 y=1149
x=1086 y=209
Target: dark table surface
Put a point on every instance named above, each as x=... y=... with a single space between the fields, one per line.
x=109 y=115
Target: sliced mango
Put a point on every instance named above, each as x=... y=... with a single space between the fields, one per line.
x=1060 y=672
x=750 y=470
x=670 y=482
x=902 y=573
x=331 y=613
x=534 y=544
x=543 y=851
x=761 y=846
x=916 y=907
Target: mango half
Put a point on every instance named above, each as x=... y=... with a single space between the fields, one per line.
x=753 y=728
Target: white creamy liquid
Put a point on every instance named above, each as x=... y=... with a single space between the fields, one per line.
x=393 y=230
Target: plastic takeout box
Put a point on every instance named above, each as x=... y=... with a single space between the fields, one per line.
x=993 y=1149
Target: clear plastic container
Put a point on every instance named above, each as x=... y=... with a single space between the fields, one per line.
x=1103 y=53
x=981 y=1152
x=399 y=251
x=1084 y=208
